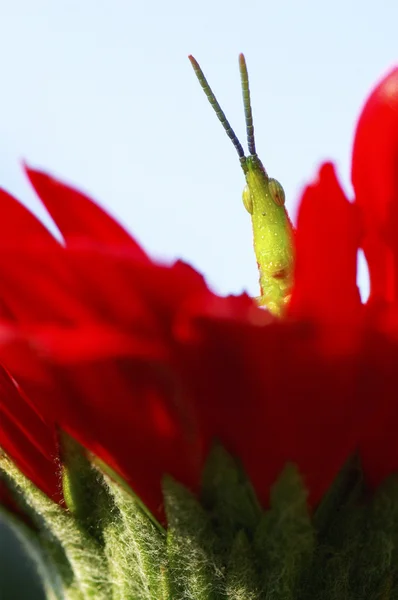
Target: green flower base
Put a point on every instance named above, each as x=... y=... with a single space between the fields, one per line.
x=107 y=545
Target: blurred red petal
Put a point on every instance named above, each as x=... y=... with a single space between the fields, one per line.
x=138 y=422
x=378 y=444
x=38 y=285
x=23 y=414
x=41 y=470
x=327 y=242
x=375 y=180
x=271 y=394
x=78 y=218
x=18 y=225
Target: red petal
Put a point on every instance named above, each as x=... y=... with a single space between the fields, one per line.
x=271 y=395
x=39 y=285
x=327 y=242
x=40 y=470
x=17 y=225
x=375 y=180
x=26 y=438
x=131 y=414
x=378 y=446
x=16 y=406
x=156 y=427
x=129 y=411
x=78 y=217
x=109 y=283
x=93 y=342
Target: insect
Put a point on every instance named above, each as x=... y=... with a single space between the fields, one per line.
x=264 y=199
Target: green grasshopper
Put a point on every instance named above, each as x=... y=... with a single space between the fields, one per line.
x=264 y=199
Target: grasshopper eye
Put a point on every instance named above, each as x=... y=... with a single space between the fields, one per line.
x=277 y=192
x=247 y=199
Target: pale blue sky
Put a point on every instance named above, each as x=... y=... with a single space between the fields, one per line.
x=101 y=93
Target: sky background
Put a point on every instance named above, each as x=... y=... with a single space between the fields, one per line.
x=101 y=94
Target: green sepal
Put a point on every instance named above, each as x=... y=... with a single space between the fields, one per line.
x=85 y=494
x=134 y=542
x=105 y=469
x=242 y=579
x=345 y=490
x=223 y=548
x=229 y=496
x=135 y=546
x=285 y=539
x=375 y=572
x=339 y=521
x=194 y=567
x=78 y=558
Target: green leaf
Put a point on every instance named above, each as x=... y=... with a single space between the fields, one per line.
x=285 y=538
x=194 y=565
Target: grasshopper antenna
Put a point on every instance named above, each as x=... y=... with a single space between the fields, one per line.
x=217 y=108
x=244 y=77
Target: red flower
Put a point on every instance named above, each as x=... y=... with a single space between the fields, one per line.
x=144 y=366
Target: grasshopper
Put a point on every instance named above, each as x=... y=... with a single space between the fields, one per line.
x=264 y=199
